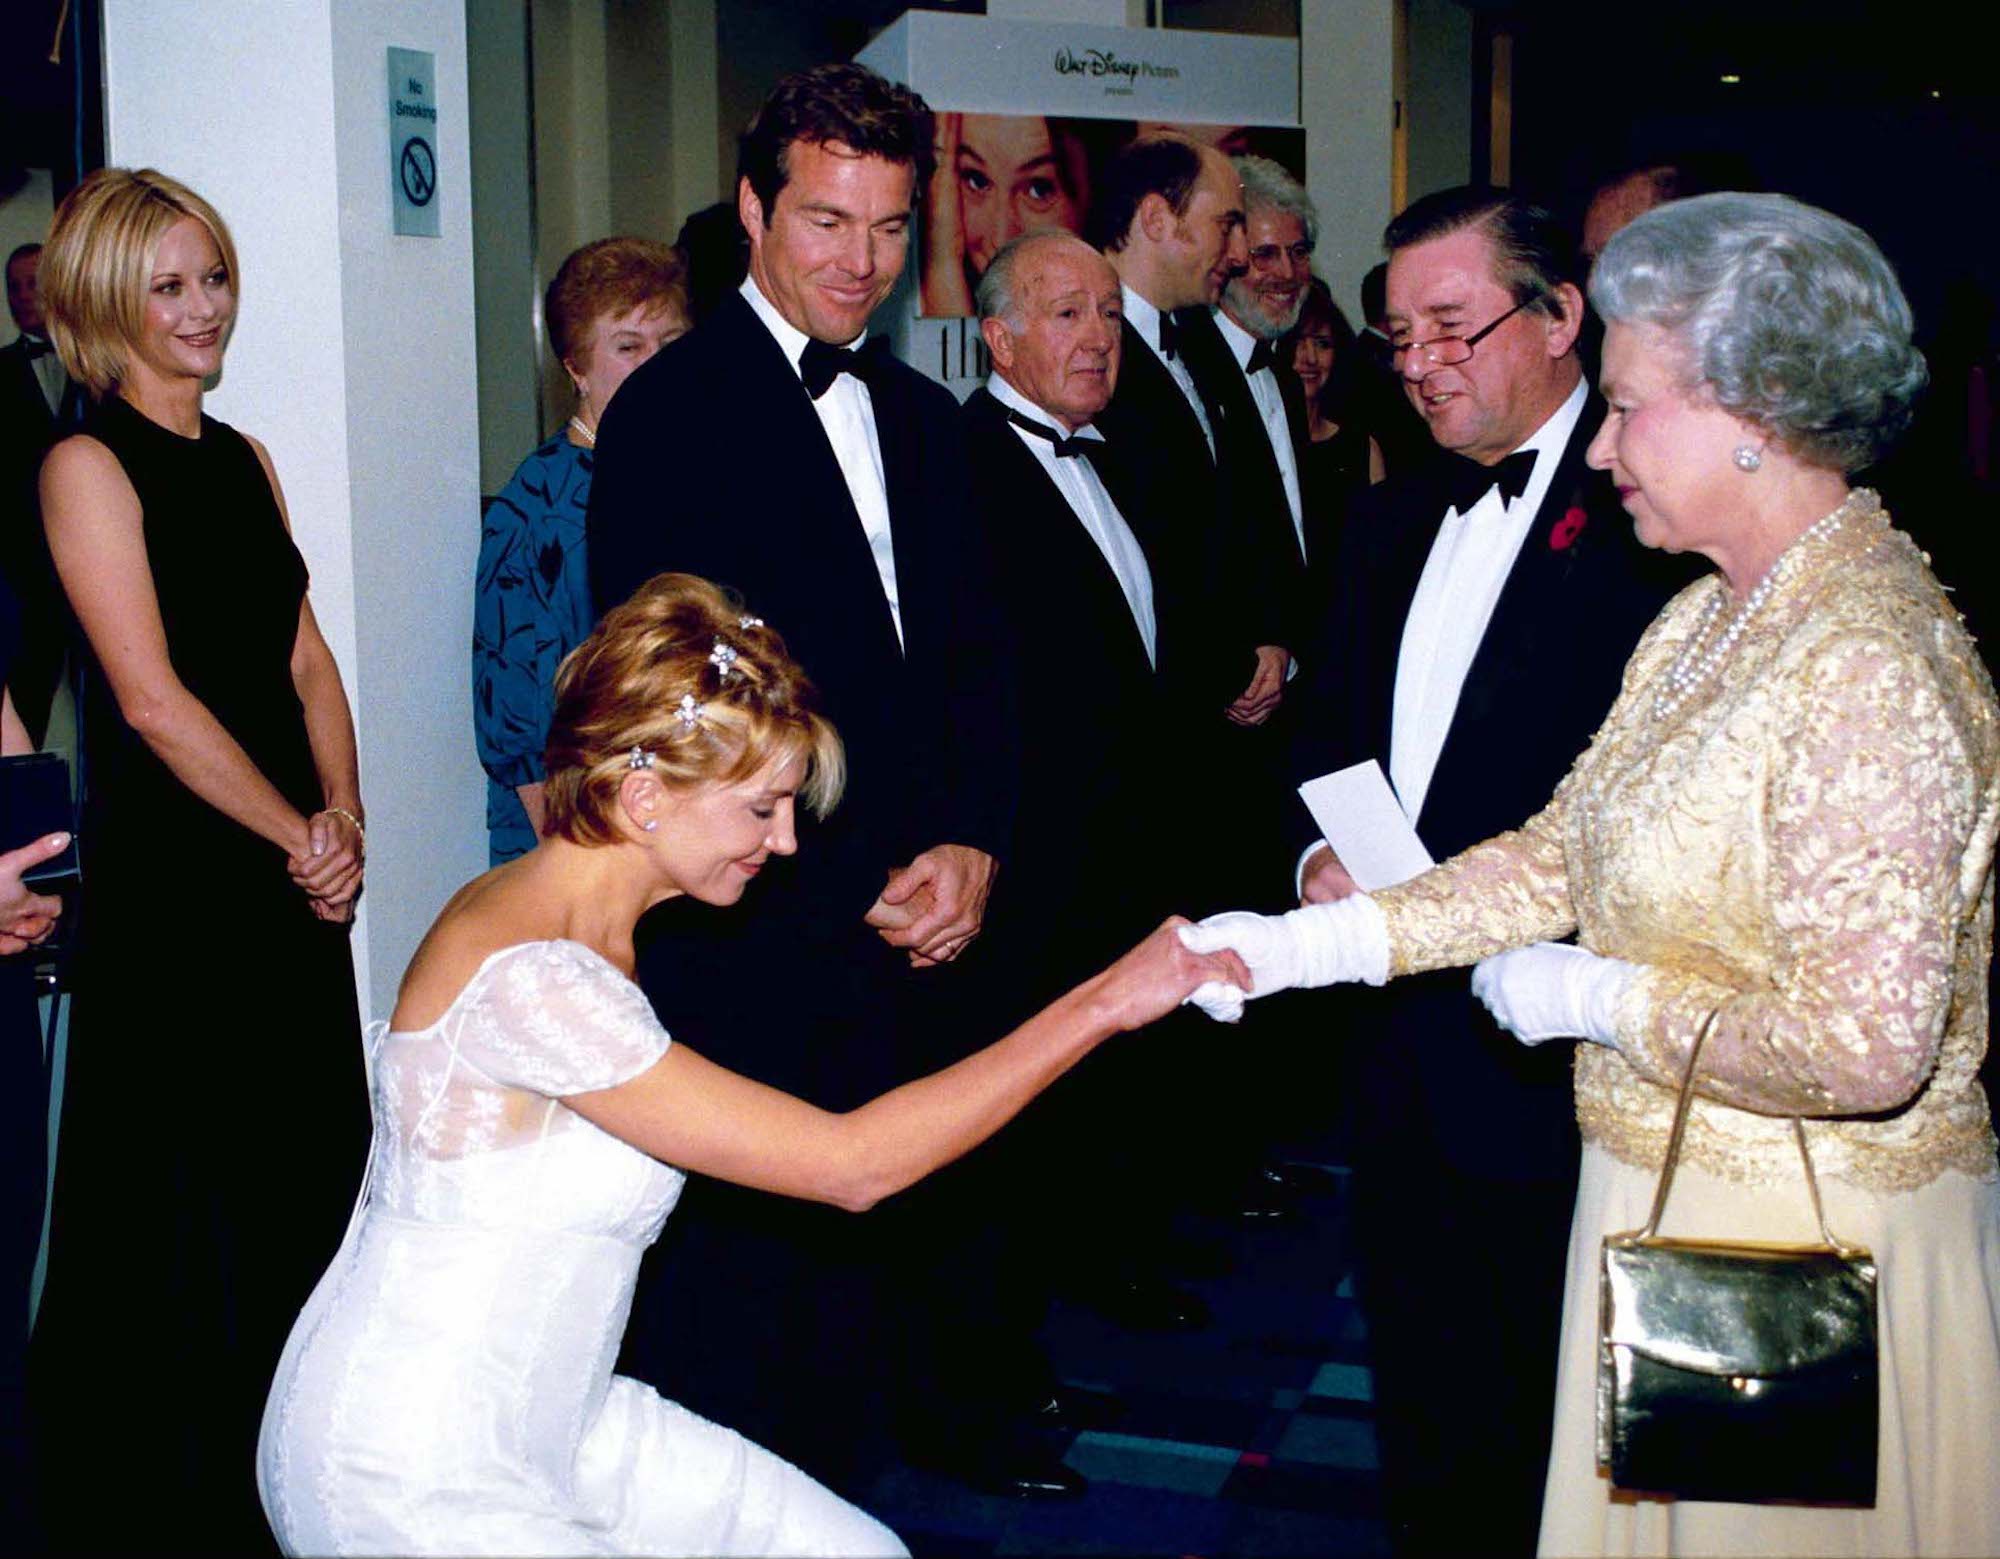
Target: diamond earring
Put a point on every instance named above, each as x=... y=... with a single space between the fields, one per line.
x=1747 y=458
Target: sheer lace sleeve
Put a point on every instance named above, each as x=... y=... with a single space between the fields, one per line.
x=1511 y=890
x=1872 y=817
x=556 y=1019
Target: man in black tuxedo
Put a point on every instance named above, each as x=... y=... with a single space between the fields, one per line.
x=1168 y=215
x=1070 y=546
x=1485 y=610
x=1232 y=352
x=827 y=485
x=39 y=403
x=1093 y=603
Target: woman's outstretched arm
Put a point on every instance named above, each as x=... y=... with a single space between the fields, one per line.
x=694 y=1114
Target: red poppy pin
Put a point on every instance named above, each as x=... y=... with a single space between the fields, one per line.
x=1563 y=534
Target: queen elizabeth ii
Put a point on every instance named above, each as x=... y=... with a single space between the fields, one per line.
x=1787 y=821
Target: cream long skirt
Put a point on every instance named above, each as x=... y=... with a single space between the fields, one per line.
x=1938 y=1489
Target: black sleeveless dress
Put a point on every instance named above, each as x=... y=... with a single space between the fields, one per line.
x=214 y=1117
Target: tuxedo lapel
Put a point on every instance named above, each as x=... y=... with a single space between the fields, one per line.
x=808 y=493
x=1293 y=394
x=1053 y=530
x=1153 y=408
x=1535 y=606
x=912 y=532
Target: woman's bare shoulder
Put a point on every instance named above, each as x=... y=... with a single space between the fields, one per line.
x=80 y=457
x=488 y=915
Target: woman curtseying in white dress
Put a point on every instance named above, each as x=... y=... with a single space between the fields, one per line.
x=448 y=1388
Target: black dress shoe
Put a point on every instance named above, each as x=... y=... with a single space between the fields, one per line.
x=1016 y=1466
x=1149 y=1305
x=1267 y=1202
x=1301 y=1179
x=1071 y=1407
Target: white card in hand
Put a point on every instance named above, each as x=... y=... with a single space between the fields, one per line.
x=1362 y=819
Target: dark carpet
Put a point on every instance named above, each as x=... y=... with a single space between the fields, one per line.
x=1254 y=1436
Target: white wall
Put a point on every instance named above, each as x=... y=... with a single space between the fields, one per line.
x=1347 y=104
x=353 y=360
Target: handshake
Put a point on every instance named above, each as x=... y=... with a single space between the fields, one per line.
x=1547 y=990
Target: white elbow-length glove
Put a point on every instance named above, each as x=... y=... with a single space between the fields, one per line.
x=1550 y=990
x=1322 y=944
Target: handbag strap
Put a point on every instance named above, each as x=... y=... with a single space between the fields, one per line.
x=1682 y=1109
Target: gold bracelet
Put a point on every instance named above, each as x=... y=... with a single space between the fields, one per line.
x=359 y=827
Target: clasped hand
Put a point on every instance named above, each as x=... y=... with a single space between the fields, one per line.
x=27 y=917
x=329 y=869
x=1322 y=944
x=935 y=906
x=1159 y=974
x=1257 y=702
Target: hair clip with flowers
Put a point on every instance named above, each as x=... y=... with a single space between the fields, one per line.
x=639 y=758
x=688 y=712
x=723 y=659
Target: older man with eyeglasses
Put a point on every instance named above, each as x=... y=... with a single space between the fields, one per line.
x=1484 y=606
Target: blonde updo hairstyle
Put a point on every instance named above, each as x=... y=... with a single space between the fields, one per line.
x=97 y=266
x=623 y=689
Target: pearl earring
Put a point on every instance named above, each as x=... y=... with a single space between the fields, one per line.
x=1747 y=458
x=651 y=824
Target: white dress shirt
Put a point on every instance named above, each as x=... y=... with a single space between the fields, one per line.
x=1467 y=568
x=1271 y=407
x=1077 y=480
x=847 y=413
x=1146 y=320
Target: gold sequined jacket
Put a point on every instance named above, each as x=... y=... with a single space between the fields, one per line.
x=1803 y=845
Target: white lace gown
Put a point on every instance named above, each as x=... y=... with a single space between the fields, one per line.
x=448 y=1387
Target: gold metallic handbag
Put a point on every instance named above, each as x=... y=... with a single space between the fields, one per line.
x=1736 y=1370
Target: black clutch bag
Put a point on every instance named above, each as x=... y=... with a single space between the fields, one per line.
x=34 y=801
x=1737 y=1370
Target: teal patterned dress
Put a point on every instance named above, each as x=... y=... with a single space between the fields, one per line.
x=531 y=607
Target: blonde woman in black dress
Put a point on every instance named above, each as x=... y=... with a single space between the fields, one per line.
x=215 y=1104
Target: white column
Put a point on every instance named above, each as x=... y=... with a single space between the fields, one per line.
x=353 y=360
x=1347 y=104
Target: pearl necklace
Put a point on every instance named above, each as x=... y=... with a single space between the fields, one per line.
x=1696 y=664
x=584 y=431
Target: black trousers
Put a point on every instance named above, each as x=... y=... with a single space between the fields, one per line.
x=1461 y=1282
x=818 y=1333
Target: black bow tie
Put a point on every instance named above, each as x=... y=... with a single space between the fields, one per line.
x=1469 y=481
x=1170 y=337
x=37 y=346
x=1261 y=357
x=1065 y=448
x=821 y=363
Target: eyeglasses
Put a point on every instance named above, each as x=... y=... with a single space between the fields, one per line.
x=1444 y=351
x=1264 y=256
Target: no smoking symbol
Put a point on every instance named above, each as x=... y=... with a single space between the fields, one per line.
x=418 y=170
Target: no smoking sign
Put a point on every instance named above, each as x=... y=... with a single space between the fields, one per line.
x=413 y=142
